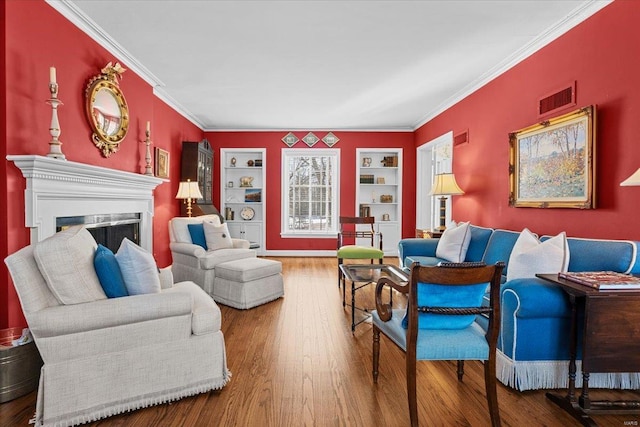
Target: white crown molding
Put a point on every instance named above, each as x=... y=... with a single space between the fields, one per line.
x=403 y=129
x=575 y=17
x=161 y=94
x=70 y=11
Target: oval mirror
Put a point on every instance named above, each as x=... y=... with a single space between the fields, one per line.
x=107 y=110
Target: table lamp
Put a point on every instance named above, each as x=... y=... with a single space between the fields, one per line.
x=189 y=190
x=633 y=180
x=445 y=185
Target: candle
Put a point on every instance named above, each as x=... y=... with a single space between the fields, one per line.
x=148 y=126
x=52 y=75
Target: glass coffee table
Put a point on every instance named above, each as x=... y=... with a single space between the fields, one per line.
x=361 y=275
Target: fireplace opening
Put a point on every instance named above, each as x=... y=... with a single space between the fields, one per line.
x=108 y=230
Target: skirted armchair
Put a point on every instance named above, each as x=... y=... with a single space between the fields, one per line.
x=104 y=356
x=191 y=259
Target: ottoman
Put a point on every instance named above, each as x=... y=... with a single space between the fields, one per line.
x=246 y=283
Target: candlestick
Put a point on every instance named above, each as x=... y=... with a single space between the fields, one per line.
x=148 y=170
x=55 y=146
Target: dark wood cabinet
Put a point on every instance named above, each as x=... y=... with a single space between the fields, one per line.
x=197 y=165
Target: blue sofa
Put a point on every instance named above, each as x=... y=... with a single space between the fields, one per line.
x=533 y=348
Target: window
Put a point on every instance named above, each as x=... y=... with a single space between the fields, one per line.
x=310 y=192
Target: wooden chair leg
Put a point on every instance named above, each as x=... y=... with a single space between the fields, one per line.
x=376 y=353
x=460 y=369
x=490 y=389
x=411 y=389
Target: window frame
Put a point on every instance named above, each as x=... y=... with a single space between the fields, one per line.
x=334 y=154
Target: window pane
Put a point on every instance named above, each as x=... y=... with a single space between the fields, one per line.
x=308 y=187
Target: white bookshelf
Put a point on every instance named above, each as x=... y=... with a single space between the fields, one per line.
x=238 y=166
x=379 y=189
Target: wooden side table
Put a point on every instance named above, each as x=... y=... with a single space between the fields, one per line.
x=610 y=343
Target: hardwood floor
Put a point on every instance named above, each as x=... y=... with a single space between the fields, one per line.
x=295 y=363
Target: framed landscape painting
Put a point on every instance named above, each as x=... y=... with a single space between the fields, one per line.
x=552 y=163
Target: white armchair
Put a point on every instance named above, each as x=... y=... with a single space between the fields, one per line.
x=104 y=356
x=193 y=262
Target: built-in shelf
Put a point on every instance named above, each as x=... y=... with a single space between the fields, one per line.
x=242 y=179
x=379 y=192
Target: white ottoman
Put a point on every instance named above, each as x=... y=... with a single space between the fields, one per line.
x=248 y=282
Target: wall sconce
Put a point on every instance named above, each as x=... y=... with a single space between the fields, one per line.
x=187 y=191
x=633 y=180
x=445 y=185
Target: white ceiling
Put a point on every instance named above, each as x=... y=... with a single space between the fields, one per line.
x=352 y=65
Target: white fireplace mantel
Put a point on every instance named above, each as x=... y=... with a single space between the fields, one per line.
x=61 y=188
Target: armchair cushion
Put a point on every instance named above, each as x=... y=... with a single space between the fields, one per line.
x=66 y=262
x=217 y=236
x=139 y=269
x=431 y=295
x=454 y=242
x=213 y=258
x=196 y=231
x=530 y=256
x=109 y=273
x=468 y=343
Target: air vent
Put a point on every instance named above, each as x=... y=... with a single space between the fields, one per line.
x=461 y=138
x=558 y=100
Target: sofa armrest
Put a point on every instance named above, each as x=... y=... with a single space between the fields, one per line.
x=240 y=243
x=417 y=247
x=534 y=298
x=187 y=249
x=108 y=313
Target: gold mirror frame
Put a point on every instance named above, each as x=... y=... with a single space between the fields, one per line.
x=107 y=109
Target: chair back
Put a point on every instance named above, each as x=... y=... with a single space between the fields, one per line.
x=458 y=282
x=349 y=229
x=179 y=226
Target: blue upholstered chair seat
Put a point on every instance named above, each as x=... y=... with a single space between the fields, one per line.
x=437 y=344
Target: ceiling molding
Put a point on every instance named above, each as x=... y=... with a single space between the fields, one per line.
x=171 y=102
x=577 y=16
x=311 y=130
x=100 y=36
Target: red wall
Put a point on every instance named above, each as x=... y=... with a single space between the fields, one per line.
x=601 y=54
x=348 y=143
x=36 y=38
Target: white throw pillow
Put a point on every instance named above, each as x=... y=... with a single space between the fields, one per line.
x=138 y=268
x=530 y=256
x=217 y=236
x=66 y=263
x=454 y=242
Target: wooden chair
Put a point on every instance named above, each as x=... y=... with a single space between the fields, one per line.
x=443 y=302
x=349 y=231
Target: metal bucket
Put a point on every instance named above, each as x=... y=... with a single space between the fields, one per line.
x=19 y=366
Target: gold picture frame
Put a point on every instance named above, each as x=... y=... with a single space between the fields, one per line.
x=552 y=164
x=162 y=163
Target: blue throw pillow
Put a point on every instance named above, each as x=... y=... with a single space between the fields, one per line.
x=197 y=235
x=109 y=274
x=432 y=295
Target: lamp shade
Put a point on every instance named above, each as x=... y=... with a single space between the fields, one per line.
x=189 y=190
x=445 y=185
x=632 y=180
